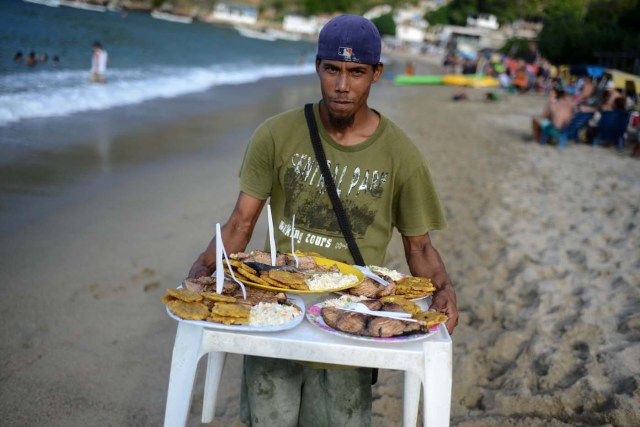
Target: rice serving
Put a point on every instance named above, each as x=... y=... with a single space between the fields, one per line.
x=392 y=274
x=272 y=314
x=344 y=300
x=327 y=281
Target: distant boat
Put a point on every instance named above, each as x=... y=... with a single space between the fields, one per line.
x=255 y=34
x=50 y=3
x=82 y=5
x=285 y=35
x=181 y=19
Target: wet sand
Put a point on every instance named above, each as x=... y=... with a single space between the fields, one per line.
x=542 y=246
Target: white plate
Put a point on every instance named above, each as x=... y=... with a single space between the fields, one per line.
x=313 y=315
x=297 y=301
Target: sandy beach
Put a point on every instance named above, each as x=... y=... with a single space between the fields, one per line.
x=542 y=246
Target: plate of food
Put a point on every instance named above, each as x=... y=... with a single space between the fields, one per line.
x=196 y=302
x=389 y=320
x=397 y=283
x=313 y=274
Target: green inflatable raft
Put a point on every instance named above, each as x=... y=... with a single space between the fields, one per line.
x=403 y=79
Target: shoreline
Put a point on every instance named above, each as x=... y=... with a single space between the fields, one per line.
x=105 y=145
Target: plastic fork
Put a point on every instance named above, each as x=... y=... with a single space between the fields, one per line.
x=361 y=308
x=370 y=274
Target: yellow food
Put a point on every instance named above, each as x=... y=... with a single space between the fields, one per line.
x=229 y=320
x=185 y=295
x=408 y=306
x=213 y=296
x=288 y=278
x=431 y=317
x=190 y=311
x=231 y=310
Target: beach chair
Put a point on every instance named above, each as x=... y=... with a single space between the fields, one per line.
x=578 y=121
x=559 y=135
x=611 y=128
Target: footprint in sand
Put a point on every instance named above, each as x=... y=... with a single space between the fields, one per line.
x=144 y=279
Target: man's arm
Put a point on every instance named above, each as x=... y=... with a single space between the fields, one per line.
x=425 y=261
x=236 y=233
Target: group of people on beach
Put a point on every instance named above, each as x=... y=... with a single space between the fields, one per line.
x=593 y=97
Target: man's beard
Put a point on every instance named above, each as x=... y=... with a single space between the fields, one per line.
x=341 y=123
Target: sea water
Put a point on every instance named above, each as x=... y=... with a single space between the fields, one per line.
x=148 y=59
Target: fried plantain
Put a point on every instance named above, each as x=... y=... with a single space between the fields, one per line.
x=238 y=264
x=231 y=310
x=408 y=306
x=287 y=277
x=189 y=310
x=185 y=295
x=274 y=283
x=228 y=320
x=251 y=277
x=212 y=296
x=431 y=317
x=165 y=299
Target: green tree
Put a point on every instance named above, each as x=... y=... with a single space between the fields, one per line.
x=440 y=16
x=385 y=24
x=567 y=39
x=460 y=9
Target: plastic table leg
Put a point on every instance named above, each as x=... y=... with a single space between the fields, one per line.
x=412 y=385
x=215 y=364
x=184 y=362
x=438 y=382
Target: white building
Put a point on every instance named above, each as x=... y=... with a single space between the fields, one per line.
x=483 y=20
x=300 y=24
x=235 y=14
x=378 y=11
x=410 y=25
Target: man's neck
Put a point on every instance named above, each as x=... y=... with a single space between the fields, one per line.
x=364 y=125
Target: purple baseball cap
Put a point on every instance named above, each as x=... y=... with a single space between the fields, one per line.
x=350 y=38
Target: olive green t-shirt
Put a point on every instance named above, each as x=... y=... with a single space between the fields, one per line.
x=383 y=182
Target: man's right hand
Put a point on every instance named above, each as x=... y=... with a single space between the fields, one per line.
x=198 y=271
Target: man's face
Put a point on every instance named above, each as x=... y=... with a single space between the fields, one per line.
x=345 y=88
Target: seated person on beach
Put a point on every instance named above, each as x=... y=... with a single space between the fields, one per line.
x=610 y=100
x=557 y=114
x=587 y=100
x=280 y=392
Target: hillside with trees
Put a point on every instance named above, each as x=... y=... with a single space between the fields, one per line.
x=574 y=31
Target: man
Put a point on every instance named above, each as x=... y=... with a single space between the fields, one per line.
x=557 y=114
x=382 y=180
x=99 y=61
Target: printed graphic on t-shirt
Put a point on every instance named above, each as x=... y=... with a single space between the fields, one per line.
x=306 y=195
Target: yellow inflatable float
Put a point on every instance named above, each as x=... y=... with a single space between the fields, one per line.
x=470 y=80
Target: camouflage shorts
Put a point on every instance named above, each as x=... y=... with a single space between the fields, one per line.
x=283 y=393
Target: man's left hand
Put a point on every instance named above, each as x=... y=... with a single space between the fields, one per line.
x=444 y=301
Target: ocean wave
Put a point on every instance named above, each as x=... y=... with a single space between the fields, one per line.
x=63 y=92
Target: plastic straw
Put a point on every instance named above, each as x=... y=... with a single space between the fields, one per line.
x=293 y=249
x=272 y=240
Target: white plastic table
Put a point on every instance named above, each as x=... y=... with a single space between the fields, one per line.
x=426 y=362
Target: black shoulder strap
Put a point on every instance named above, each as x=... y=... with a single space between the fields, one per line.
x=321 y=157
